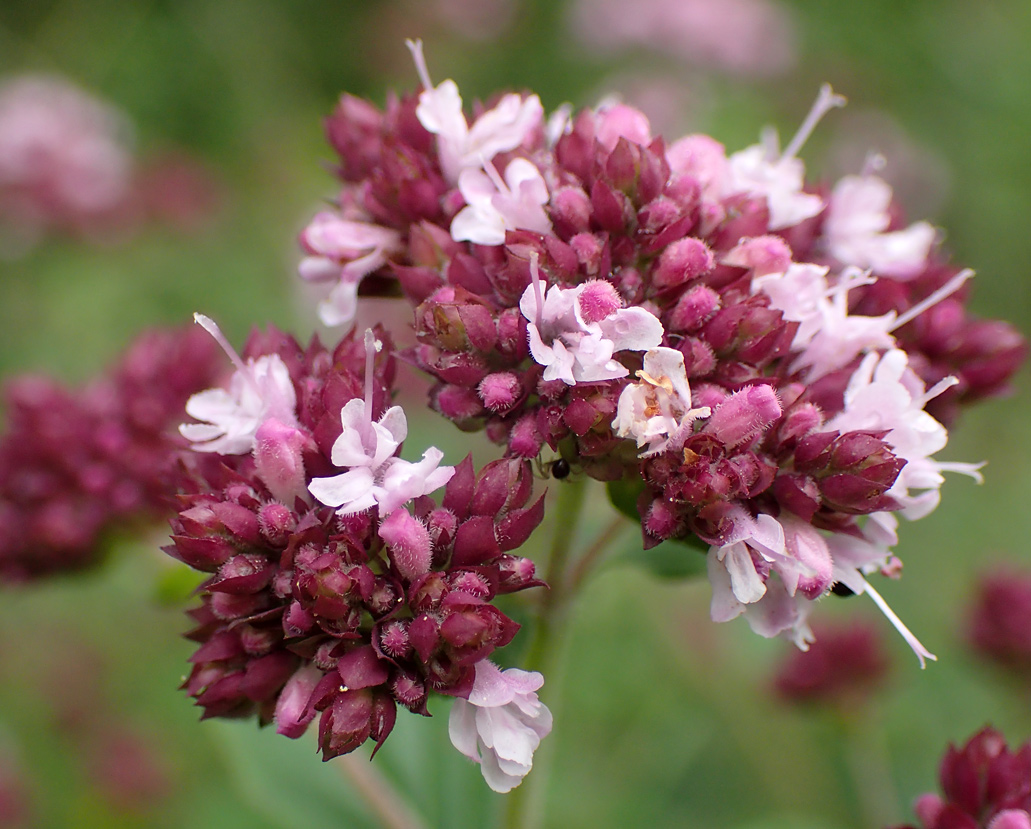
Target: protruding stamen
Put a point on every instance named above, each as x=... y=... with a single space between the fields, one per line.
x=209 y=325
x=372 y=347
x=944 y=291
x=825 y=102
x=921 y=652
x=494 y=176
x=938 y=388
x=535 y=279
x=971 y=470
x=415 y=47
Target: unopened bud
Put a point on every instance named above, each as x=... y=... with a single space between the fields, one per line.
x=694 y=308
x=500 y=391
x=409 y=543
x=761 y=254
x=744 y=415
x=683 y=261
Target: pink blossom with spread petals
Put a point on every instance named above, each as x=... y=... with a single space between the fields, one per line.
x=885 y=394
x=501 y=724
x=258 y=391
x=575 y=350
x=657 y=411
x=375 y=476
x=762 y=170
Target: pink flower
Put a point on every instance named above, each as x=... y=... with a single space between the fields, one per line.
x=657 y=411
x=762 y=170
x=65 y=156
x=857 y=230
x=459 y=145
x=750 y=37
x=828 y=336
x=374 y=477
x=259 y=390
x=576 y=348
x=346 y=251
x=885 y=395
x=495 y=205
x=501 y=724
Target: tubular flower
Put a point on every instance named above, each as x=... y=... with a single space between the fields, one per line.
x=501 y=724
x=764 y=370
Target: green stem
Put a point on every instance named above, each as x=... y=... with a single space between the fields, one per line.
x=866 y=758
x=582 y=569
x=382 y=799
x=523 y=804
x=567 y=514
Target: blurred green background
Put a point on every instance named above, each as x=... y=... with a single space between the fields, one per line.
x=663 y=719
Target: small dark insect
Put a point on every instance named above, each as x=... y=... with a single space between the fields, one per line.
x=560 y=469
x=840 y=589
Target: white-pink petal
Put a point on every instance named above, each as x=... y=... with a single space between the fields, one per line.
x=501 y=724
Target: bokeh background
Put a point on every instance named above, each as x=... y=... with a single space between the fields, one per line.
x=663 y=719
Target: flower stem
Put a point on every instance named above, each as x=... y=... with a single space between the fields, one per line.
x=866 y=758
x=523 y=804
x=567 y=514
x=380 y=797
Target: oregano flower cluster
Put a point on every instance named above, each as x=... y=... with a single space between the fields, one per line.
x=766 y=366
x=758 y=367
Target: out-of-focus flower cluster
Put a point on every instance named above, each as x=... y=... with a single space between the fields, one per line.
x=338 y=587
x=747 y=37
x=985 y=786
x=1000 y=621
x=843 y=667
x=68 y=165
x=77 y=463
x=776 y=361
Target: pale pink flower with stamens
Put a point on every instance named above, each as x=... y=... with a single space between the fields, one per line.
x=762 y=170
x=574 y=332
x=344 y=251
x=857 y=233
x=495 y=205
x=374 y=476
x=657 y=412
x=460 y=145
x=258 y=391
x=884 y=394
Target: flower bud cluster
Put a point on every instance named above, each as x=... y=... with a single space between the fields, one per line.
x=985 y=786
x=767 y=356
x=843 y=667
x=75 y=464
x=1000 y=619
x=340 y=611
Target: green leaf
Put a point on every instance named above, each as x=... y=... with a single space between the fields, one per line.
x=668 y=560
x=675 y=559
x=623 y=495
x=176 y=584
